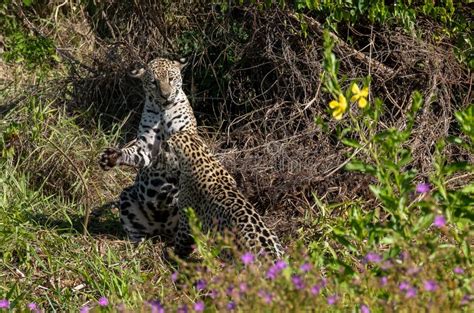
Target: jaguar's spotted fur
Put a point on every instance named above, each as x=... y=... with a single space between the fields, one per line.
x=211 y=191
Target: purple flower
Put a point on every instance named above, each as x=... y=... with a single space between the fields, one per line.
x=383 y=281
x=103 y=301
x=174 y=277
x=411 y=292
x=423 y=188
x=272 y=273
x=4 y=304
x=157 y=309
x=266 y=296
x=275 y=269
x=199 y=306
x=466 y=299
x=324 y=282
x=231 y=306
x=201 y=284
x=214 y=294
x=84 y=309
x=364 y=309
x=247 y=258
x=183 y=309
x=404 y=286
x=332 y=299
x=315 y=289
x=281 y=265
x=458 y=270
x=306 y=267
x=32 y=306
x=156 y=306
x=373 y=257
x=243 y=287
x=297 y=282
x=229 y=290
x=439 y=221
x=430 y=285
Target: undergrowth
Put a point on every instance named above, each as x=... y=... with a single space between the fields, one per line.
x=355 y=141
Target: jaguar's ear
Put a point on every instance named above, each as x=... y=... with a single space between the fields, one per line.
x=138 y=73
x=182 y=62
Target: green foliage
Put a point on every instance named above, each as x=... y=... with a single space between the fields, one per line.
x=466 y=120
x=405 y=214
x=451 y=15
x=22 y=46
x=331 y=67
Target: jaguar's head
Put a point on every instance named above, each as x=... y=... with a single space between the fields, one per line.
x=161 y=79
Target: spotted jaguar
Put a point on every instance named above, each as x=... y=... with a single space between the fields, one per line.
x=207 y=188
x=148 y=208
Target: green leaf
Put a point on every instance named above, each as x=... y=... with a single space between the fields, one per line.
x=417 y=101
x=405 y=157
x=423 y=222
x=468 y=189
x=357 y=165
x=351 y=143
x=455 y=140
x=389 y=240
x=466 y=248
x=457 y=167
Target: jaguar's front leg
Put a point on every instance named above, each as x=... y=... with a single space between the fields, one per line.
x=110 y=158
x=136 y=156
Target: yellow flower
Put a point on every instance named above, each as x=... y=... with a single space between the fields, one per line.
x=360 y=95
x=339 y=107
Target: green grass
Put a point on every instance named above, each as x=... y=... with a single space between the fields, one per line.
x=46 y=260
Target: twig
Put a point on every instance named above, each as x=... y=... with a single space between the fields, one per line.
x=458 y=177
x=67 y=56
x=344 y=163
x=316 y=97
x=57 y=10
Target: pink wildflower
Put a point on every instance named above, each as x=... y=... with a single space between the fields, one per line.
x=247 y=258
x=103 y=301
x=199 y=306
x=423 y=188
x=439 y=221
x=430 y=285
x=332 y=299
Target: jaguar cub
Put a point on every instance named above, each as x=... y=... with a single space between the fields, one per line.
x=211 y=191
x=149 y=206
